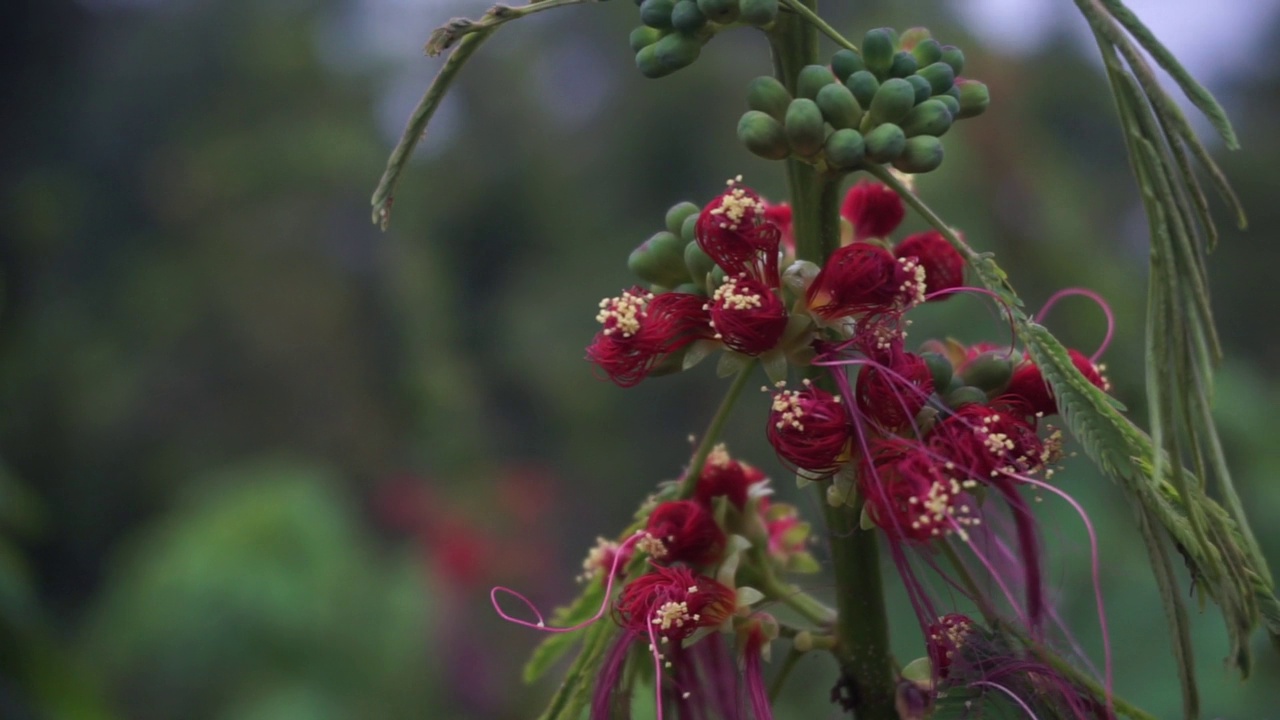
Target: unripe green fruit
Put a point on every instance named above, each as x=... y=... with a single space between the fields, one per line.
x=805 y=128
x=953 y=105
x=764 y=135
x=954 y=57
x=678 y=214
x=657 y=13
x=689 y=228
x=892 y=101
x=930 y=117
x=863 y=84
x=924 y=90
x=721 y=11
x=811 y=79
x=686 y=17
x=927 y=52
x=677 y=50
x=845 y=63
x=904 y=65
x=839 y=107
x=990 y=371
x=940 y=76
x=642 y=37
x=939 y=368
x=769 y=96
x=698 y=263
x=758 y=12
x=974 y=98
x=921 y=154
x=660 y=260
x=885 y=143
x=964 y=395
x=878 y=47
x=845 y=149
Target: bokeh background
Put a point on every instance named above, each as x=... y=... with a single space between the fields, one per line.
x=262 y=461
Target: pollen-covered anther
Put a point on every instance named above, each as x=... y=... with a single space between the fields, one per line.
x=737 y=203
x=599 y=559
x=624 y=313
x=653 y=546
x=673 y=614
x=735 y=299
x=913 y=287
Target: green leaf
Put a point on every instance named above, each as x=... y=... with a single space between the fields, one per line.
x=557 y=644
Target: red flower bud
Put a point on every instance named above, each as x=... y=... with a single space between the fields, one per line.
x=942 y=263
x=683 y=531
x=734 y=232
x=892 y=395
x=873 y=209
x=864 y=278
x=722 y=475
x=810 y=429
x=639 y=329
x=747 y=315
x=673 y=602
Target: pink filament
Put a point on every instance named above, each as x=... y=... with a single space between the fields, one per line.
x=1096 y=298
x=1010 y=693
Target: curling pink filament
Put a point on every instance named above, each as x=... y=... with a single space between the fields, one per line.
x=1010 y=693
x=1096 y=298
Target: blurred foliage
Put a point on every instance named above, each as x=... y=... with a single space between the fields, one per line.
x=192 y=291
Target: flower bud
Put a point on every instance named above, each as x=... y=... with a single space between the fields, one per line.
x=844 y=149
x=911 y=37
x=964 y=395
x=893 y=395
x=657 y=13
x=878 y=47
x=953 y=105
x=689 y=228
x=763 y=135
x=859 y=277
x=940 y=370
x=811 y=79
x=805 y=128
x=920 y=154
x=699 y=263
x=686 y=17
x=863 y=84
x=839 y=107
x=643 y=36
x=942 y=263
x=747 y=315
x=904 y=65
x=892 y=101
x=810 y=429
x=923 y=89
x=768 y=96
x=845 y=63
x=758 y=12
x=990 y=372
x=930 y=117
x=721 y=11
x=974 y=98
x=660 y=260
x=683 y=531
x=954 y=57
x=873 y=209
x=647 y=62
x=677 y=214
x=885 y=143
x=677 y=50
x=673 y=603
x=940 y=76
x=927 y=52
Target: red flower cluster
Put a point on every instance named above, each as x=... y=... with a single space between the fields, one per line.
x=673 y=602
x=735 y=232
x=639 y=329
x=683 y=531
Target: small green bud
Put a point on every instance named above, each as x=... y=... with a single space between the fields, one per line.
x=642 y=37
x=892 y=101
x=990 y=371
x=677 y=50
x=964 y=395
x=974 y=98
x=863 y=84
x=768 y=96
x=764 y=135
x=811 y=79
x=689 y=289
x=954 y=57
x=904 y=65
x=953 y=105
x=920 y=154
x=805 y=128
x=698 y=263
x=657 y=13
x=686 y=17
x=940 y=77
x=660 y=260
x=911 y=37
x=885 y=143
x=721 y=11
x=845 y=63
x=839 y=107
x=689 y=228
x=927 y=52
x=939 y=369
x=845 y=149
x=923 y=89
x=930 y=117
x=677 y=215
x=647 y=62
x=758 y=12
x=878 y=47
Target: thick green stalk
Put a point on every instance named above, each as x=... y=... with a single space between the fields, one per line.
x=862 y=627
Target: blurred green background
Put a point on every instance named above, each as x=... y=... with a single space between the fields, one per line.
x=263 y=461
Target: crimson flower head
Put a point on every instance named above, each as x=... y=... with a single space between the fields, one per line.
x=1029 y=385
x=746 y=315
x=873 y=209
x=733 y=230
x=986 y=442
x=810 y=429
x=673 y=602
x=892 y=394
x=723 y=475
x=639 y=329
x=683 y=531
x=943 y=266
x=864 y=278
x=913 y=495
x=946 y=638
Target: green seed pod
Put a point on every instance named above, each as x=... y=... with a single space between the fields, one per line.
x=885 y=143
x=764 y=135
x=878 y=47
x=990 y=371
x=657 y=13
x=845 y=149
x=845 y=63
x=904 y=65
x=892 y=101
x=660 y=260
x=964 y=395
x=939 y=368
x=954 y=57
x=805 y=128
x=839 y=107
x=927 y=52
x=698 y=263
x=920 y=154
x=721 y=11
x=689 y=228
x=940 y=77
x=768 y=96
x=863 y=85
x=930 y=117
x=686 y=17
x=953 y=105
x=911 y=37
x=677 y=50
x=677 y=214
x=811 y=79
x=642 y=37
x=758 y=12
x=974 y=98
x=923 y=89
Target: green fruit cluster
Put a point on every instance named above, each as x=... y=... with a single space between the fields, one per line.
x=978 y=380
x=674 y=31
x=889 y=104
x=671 y=258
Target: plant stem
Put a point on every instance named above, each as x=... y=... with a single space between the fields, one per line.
x=784 y=672
x=804 y=604
x=690 y=480
x=862 y=626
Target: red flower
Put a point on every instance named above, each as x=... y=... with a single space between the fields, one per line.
x=912 y=495
x=734 y=232
x=864 y=278
x=747 y=315
x=810 y=429
x=640 y=329
x=683 y=531
x=1029 y=385
x=780 y=215
x=873 y=209
x=946 y=638
x=673 y=602
x=985 y=442
x=892 y=394
x=722 y=475
x=942 y=263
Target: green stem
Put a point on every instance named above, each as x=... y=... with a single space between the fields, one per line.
x=813 y=19
x=690 y=480
x=803 y=603
x=784 y=672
